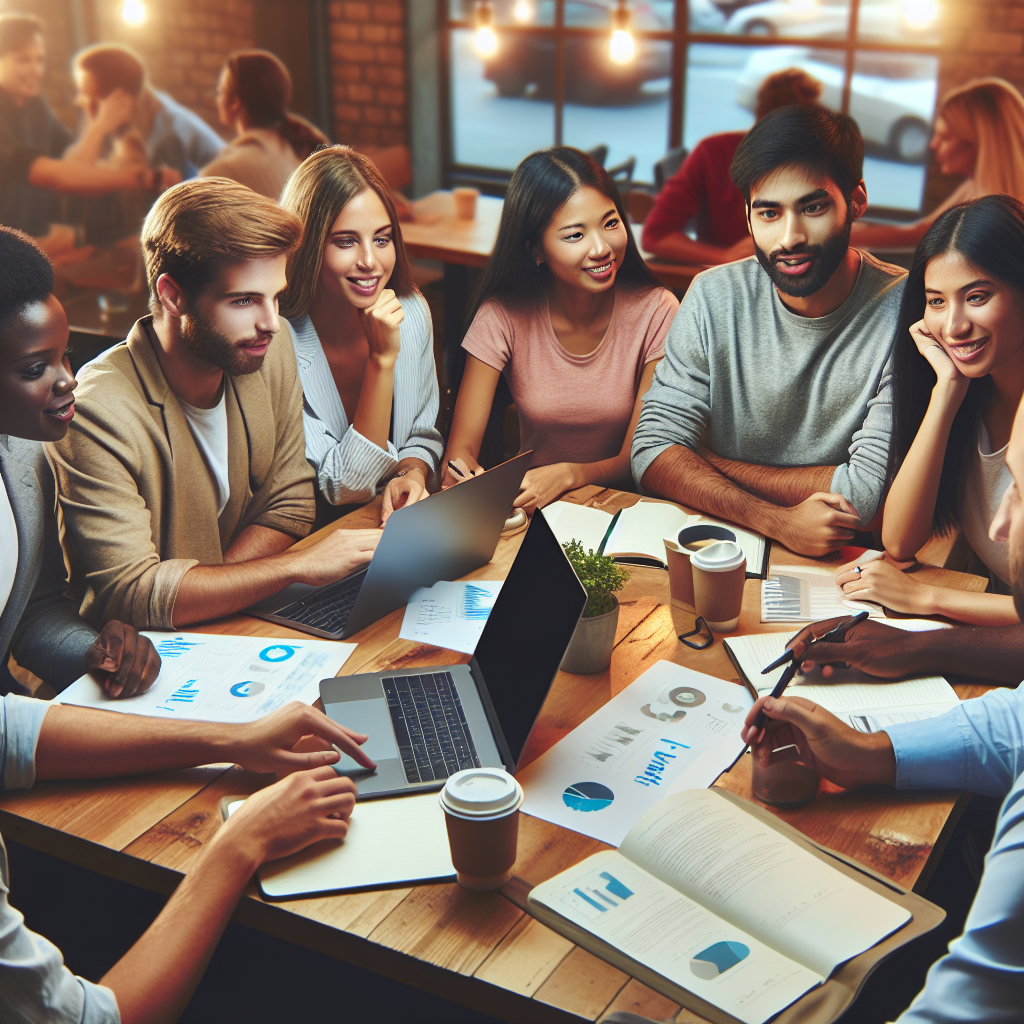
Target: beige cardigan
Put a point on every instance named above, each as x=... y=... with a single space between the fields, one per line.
x=138 y=504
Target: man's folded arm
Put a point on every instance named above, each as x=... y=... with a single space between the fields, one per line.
x=781 y=485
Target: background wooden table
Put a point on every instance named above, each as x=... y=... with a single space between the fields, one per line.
x=479 y=949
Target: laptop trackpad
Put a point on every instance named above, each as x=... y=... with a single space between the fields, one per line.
x=373 y=718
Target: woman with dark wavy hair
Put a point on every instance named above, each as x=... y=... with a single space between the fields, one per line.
x=253 y=93
x=958 y=377
x=568 y=311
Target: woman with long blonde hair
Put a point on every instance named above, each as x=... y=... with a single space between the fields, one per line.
x=979 y=133
x=362 y=335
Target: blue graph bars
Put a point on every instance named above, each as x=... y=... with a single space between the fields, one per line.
x=476 y=603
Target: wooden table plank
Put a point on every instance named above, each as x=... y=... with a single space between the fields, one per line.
x=525 y=957
x=582 y=984
x=636 y=997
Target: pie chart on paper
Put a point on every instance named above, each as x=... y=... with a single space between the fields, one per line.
x=587 y=796
x=709 y=963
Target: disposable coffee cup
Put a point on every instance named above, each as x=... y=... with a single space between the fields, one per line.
x=481 y=810
x=719 y=572
x=678 y=553
x=465 y=202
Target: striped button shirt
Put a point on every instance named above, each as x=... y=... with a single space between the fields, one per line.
x=349 y=467
x=35 y=986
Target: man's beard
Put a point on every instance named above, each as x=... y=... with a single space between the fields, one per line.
x=825 y=260
x=202 y=339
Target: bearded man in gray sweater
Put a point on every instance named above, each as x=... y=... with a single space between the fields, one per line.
x=771 y=407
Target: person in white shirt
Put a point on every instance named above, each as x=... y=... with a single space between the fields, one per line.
x=154 y=980
x=958 y=378
x=363 y=337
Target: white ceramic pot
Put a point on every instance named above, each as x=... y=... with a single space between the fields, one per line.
x=590 y=649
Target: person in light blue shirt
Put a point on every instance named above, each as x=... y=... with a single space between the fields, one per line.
x=170 y=134
x=978 y=747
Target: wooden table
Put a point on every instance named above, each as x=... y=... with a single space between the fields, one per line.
x=479 y=949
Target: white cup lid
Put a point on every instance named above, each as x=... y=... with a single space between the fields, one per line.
x=723 y=556
x=480 y=791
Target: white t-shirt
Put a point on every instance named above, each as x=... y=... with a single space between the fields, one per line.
x=210 y=429
x=987 y=480
x=8 y=545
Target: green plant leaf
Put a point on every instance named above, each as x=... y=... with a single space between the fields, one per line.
x=600 y=575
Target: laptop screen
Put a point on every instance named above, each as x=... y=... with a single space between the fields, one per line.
x=528 y=631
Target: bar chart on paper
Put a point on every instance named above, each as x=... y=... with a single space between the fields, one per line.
x=597 y=894
x=450 y=615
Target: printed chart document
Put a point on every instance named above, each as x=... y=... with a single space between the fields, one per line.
x=807 y=593
x=706 y=895
x=669 y=730
x=208 y=677
x=388 y=842
x=860 y=700
x=450 y=615
x=639 y=532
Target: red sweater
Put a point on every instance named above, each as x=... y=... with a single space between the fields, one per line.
x=702 y=188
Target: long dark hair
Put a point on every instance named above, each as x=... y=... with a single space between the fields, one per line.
x=988 y=233
x=540 y=186
x=263 y=85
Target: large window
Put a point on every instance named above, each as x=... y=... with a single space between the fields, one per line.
x=696 y=69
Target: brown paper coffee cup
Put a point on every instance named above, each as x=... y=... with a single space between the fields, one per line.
x=465 y=203
x=678 y=553
x=719 y=574
x=481 y=811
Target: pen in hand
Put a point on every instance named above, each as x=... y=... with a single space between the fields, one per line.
x=835 y=635
x=455 y=469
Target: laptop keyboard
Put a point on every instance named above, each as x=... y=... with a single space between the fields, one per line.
x=430 y=726
x=329 y=608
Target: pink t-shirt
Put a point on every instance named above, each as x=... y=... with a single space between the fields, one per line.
x=573 y=408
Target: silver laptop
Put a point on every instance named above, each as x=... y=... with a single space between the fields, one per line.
x=442 y=537
x=425 y=724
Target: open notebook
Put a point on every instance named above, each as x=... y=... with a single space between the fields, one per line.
x=638 y=533
x=860 y=700
x=389 y=842
x=714 y=900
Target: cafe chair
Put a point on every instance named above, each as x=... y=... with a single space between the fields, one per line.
x=668 y=165
x=598 y=154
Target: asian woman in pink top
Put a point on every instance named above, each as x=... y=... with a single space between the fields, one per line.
x=568 y=311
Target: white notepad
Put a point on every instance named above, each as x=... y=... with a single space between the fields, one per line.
x=389 y=842
x=866 y=703
x=640 y=531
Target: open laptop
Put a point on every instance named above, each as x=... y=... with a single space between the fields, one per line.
x=441 y=537
x=425 y=724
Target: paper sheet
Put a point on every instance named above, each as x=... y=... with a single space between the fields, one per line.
x=803 y=593
x=669 y=730
x=389 y=841
x=866 y=703
x=209 y=677
x=450 y=615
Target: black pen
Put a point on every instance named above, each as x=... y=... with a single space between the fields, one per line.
x=780 y=687
x=835 y=635
x=455 y=469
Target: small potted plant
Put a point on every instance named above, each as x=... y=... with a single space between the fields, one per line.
x=590 y=649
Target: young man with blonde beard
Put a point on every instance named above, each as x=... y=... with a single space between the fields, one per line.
x=183 y=482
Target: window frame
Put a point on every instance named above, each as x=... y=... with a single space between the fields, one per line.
x=494 y=179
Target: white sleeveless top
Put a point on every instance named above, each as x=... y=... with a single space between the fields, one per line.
x=987 y=480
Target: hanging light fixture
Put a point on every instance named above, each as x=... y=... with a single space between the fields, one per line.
x=522 y=12
x=486 y=42
x=133 y=12
x=622 y=47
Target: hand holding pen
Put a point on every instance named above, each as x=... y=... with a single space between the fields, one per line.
x=836 y=635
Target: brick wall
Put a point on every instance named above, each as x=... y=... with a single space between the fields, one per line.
x=367 y=46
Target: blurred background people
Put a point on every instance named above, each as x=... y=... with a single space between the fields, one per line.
x=156 y=129
x=703 y=189
x=979 y=133
x=253 y=93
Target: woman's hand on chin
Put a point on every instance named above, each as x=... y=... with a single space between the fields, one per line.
x=546 y=484
x=946 y=371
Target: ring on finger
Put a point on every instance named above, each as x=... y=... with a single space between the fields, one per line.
x=858 y=570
